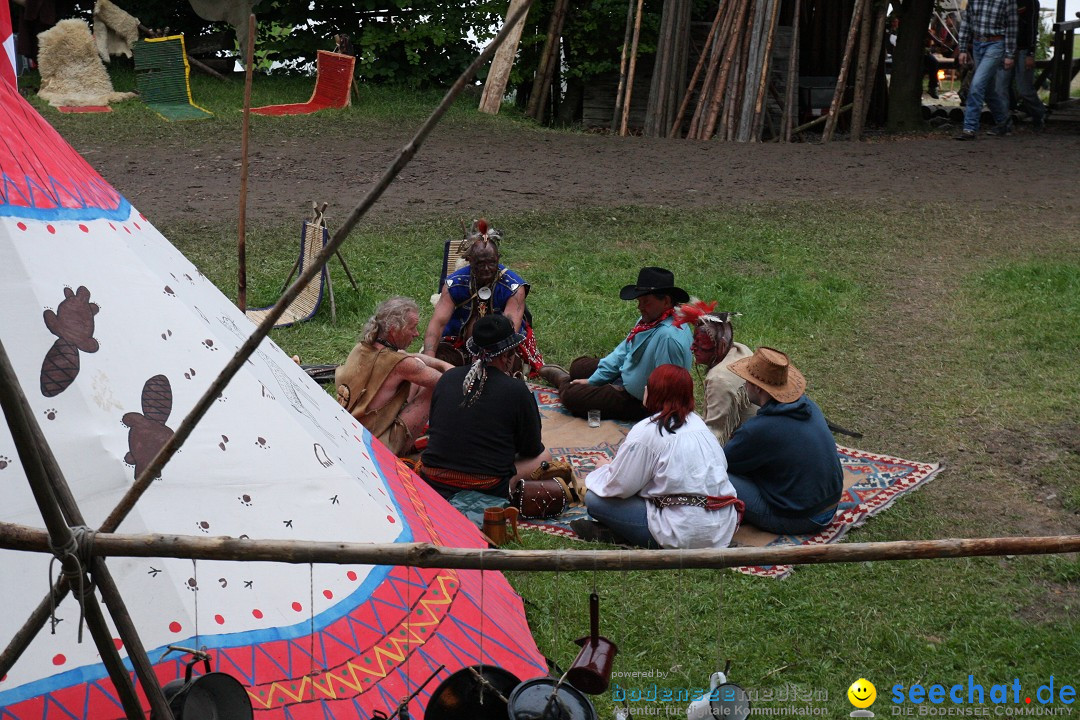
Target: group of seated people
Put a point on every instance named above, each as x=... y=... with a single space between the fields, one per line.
x=762 y=454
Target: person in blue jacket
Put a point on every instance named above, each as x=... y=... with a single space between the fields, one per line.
x=483 y=287
x=615 y=385
x=783 y=461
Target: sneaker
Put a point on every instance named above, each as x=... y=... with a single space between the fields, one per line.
x=966 y=135
x=1000 y=130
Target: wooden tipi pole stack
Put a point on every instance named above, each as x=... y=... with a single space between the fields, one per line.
x=732 y=100
x=669 y=71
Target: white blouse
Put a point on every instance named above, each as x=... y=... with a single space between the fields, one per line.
x=688 y=461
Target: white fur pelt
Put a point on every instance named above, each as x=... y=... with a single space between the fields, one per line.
x=71 y=70
x=114 y=30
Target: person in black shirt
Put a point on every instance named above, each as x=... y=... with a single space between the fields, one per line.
x=485 y=425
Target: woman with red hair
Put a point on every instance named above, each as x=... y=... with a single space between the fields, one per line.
x=668 y=485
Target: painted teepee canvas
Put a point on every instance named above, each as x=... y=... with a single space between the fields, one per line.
x=114 y=336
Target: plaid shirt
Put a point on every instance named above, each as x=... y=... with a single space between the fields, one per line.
x=988 y=17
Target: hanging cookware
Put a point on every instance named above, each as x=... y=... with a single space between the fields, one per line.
x=591 y=670
x=545 y=698
x=472 y=693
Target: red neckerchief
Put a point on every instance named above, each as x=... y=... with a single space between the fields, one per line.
x=643 y=326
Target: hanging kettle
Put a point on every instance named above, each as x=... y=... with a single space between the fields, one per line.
x=591 y=670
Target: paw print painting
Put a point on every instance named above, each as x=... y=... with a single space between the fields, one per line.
x=147 y=430
x=73 y=326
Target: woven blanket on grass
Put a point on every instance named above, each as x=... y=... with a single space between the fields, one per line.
x=161 y=75
x=333 y=79
x=872 y=482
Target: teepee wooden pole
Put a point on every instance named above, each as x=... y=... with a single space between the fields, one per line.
x=426 y=555
x=241 y=264
x=791 y=94
x=841 y=81
x=630 y=71
x=676 y=126
x=184 y=429
x=616 y=114
x=58 y=510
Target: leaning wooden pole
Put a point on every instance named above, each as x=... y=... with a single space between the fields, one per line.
x=183 y=430
x=841 y=82
x=760 y=101
x=549 y=58
x=241 y=242
x=791 y=108
x=616 y=115
x=61 y=542
x=875 y=57
x=862 y=78
x=705 y=52
x=426 y=555
x=499 y=74
x=624 y=121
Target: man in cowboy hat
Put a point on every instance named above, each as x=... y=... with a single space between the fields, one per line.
x=485 y=425
x=783 y=461
x=615 y=385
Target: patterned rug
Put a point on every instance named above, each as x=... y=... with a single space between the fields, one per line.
x=872 y=482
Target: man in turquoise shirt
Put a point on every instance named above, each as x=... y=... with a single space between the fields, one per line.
x=615 y=385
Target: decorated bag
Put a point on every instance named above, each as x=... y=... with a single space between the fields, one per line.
x=546 y=492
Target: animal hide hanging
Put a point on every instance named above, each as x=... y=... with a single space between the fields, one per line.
x=114 y=30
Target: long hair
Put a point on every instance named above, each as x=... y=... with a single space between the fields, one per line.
x=391 y=313
x=671 y=397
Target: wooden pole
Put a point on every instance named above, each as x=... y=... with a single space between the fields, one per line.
x=499 y=74
x=841 y=82
x=59 y=539
x=878 y=39
x=760 y=104
x=426 y=555
x=791 y=107
x=548 y=60
x=617 y=113
x=734 y=45
x=818 y=120
x=183 y=430
x=708 y=86
x=630 y=71
x=241 y=243
x=705 y=52
x=753 y=69
x=861 y=75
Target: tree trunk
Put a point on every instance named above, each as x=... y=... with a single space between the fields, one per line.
x=905 y=88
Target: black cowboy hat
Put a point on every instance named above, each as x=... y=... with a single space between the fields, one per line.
x=654 y=280
x=494 y=335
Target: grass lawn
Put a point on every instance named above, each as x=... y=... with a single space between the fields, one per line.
x=962 y=351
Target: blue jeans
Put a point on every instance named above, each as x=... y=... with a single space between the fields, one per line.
x=760 y=514
x=625 y=516
x=984 y=85
x=1025 y=85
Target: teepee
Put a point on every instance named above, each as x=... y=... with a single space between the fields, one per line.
x=114 y=335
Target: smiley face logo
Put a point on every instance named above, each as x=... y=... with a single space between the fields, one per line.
x=862 y=693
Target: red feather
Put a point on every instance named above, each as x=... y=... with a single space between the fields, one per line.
x=692 y=312
x=482 y=226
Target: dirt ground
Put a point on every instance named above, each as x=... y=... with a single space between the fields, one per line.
x=1024 y=178
x=461 y=172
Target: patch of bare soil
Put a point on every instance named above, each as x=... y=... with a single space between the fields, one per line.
x=462 y=173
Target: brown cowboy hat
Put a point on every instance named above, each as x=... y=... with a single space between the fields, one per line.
x=654 y=280
x=772 y=371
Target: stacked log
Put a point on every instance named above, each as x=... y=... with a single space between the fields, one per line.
x=732 y=102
